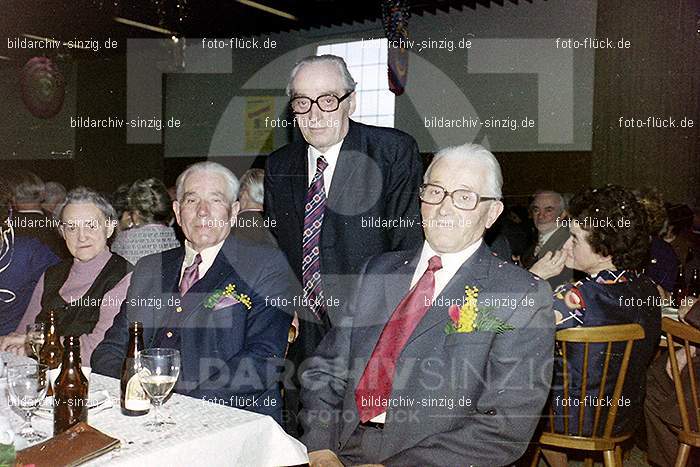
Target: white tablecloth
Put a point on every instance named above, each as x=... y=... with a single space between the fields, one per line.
x=205 y=433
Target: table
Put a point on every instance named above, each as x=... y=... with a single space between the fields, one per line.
x=206 y=433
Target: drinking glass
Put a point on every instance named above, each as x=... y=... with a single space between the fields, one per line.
x=158 y=370
x=27 y=384
x=35 y=337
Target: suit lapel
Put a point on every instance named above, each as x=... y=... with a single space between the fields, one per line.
x=299 y=178
x=170 y=282
x=349 y=160
x=471 y=273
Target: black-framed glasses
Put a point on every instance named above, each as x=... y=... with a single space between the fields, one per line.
x=465 y=200
x=327 y=103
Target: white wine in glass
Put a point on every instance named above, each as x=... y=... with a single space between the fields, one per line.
x=158 y=370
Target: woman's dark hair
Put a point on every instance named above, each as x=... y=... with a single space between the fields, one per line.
x=150 y=198
x=616 y=222
x=120 y=199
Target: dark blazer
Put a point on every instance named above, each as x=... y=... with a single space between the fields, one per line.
x=232 y=354
x=504 y=377
x=251 y=227
x=554 y=243
x=628 y=299
x=44 y=229
x=377 y=177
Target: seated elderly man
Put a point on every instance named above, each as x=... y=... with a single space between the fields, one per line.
x=213 y=299
x=433 y=362
x=545 y=257
x=250 y=224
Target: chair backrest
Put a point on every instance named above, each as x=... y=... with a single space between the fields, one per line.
x=683 y=335
x=586 y=336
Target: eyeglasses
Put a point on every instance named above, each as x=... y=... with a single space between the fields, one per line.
x=327 y=103
x=466 y=200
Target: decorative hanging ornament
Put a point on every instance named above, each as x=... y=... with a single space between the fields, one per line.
x=42 y=87
x=395 y=16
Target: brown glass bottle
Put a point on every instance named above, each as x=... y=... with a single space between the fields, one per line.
x=71 y=393
x=134 y=401
x=51 y=353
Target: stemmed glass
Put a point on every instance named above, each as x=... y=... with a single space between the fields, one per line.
x=27 y=384
x=158 y=370
x=35 y=337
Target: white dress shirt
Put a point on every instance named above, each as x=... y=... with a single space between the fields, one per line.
x=331 y=156
x=208 y=257
x=451 y=262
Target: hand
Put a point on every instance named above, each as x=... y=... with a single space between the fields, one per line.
x=11 y=341
x=324 y=458
x=682 y=360
x=549 y=265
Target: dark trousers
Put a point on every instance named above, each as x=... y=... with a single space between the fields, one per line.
x=363 y=446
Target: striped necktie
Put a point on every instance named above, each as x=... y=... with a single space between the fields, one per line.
x=314 y=207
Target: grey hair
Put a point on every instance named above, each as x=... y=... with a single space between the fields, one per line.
x=252 y=182
x=562 y=200
x=54 y=192
x=473 y=153
x=213 y=167
x=348 y=82
x=84 y=195
x=28 y=188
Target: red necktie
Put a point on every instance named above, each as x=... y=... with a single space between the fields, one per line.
x=191 y=275
x=374 y=387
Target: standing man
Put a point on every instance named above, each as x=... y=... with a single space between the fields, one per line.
x=346 y=192
x=445 y=353
x=547 y=210
x=212 y=299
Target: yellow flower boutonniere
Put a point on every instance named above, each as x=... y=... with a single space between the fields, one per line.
x=469 y=318
x=227 y=296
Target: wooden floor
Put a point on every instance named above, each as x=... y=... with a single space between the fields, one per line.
x=637 y=458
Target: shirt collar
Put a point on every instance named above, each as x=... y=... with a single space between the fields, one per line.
x=450 y=261
x=208 y=254
x=331 y=155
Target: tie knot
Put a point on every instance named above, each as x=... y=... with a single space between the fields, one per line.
x=197 y=260
x=434 y=264
x=321 y=163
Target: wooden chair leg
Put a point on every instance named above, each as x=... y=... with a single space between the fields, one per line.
x=536 y=457
x=618 y=455
x=555 y=458
x=683 y=454
x=609 y=458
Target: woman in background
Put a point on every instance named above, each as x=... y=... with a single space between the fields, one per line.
x=149 y=212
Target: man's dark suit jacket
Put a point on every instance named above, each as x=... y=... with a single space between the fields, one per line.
x=554 y=243
x=376 y=178
x=233 y=353
x=43 y=228
x=505 y=377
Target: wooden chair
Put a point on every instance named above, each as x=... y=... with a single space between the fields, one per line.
x=607 y=443
x=682 y=335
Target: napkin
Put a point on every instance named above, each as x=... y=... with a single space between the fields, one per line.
x=7 y=435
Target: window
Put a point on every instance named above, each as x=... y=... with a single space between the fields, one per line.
x=367 y=62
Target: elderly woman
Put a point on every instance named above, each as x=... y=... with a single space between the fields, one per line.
x=87 y=291
x=609 y=242
x=149 y=213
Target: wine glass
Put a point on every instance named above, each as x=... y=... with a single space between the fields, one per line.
x=158 y=370
x=35 y=337
x=27 y=384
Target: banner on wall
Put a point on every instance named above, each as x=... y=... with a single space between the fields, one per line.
x=258 y=135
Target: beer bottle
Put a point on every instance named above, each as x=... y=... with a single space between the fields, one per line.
x=133 y=399
x=694 y=285
x=71 y=390
x=51 y=352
